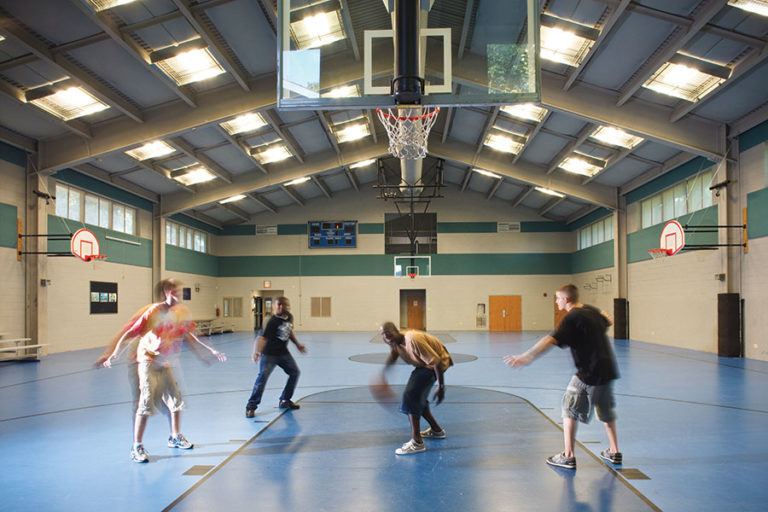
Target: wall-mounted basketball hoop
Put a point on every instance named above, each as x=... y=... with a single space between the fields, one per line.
x=85 y=245
x=672 y=239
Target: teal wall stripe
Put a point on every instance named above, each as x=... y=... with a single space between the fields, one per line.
x=240 y=230
x=757 y=213
x=244 y=266
x=375 y=228
x=101 y=188
x=349 y=265
x=116 y=251
x=680 y=173
x=543 y=227
x=8 y=225
x=597 y=257
x=640 y=241
x=194 y=223
x=501 y=264
x=466 y=227
x=753 y=137
x=586 y=220
x=291 y=229
x=179 y=259
x=13 y=155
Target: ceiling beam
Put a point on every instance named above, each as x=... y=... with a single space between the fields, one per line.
x=204 y=218
x=522 y=195
x=489 y=121
x=242 y=146
x=79 y=128
x=271 y=117
x=67 y=65
x=616 y=13
x=494 y=188
x=102 y=175
x=586 y=210
x=293 y=195
x=467 y=178
x=613 y=160
x=322 y=186
x=234 y=210
x=106 y=23
x=262 y=202
x=327 y=130
x=17 y=140
x=676 y=41
x=448 y=124
x=551 y=204
x=529 y=138
x=352 y=179
x=648 y=120
x=349 y=29
x=673 y=163
x=205 y=27
x=585 y=132
x=749 y=121
x=186 y=148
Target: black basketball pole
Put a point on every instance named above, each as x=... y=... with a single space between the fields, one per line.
x=407 y=84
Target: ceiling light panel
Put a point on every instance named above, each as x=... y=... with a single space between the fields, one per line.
x=526 y=111
x=187 y=63
x=244 y=123
x=151 y=150
x=364 y=163
x=504 y=141
x=270 y=154
x=579 y=163
x=486 y=173
x=319 y=29
x=192 y=175
x=103 y=5
x=238 y=197
x=344 y=91
x=65 y=102
x=565 y=41
x=756 y=6
x=348 y=132
x=299 y=181
x=549 y=192
x=687 y=78
x=616 y=137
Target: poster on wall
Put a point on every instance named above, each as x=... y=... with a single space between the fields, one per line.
x=103 y=297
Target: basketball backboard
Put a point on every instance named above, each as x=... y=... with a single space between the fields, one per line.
x=339 y=54
x=412 y=266
x=672 y=237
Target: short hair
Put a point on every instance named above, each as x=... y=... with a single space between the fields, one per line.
x=165 y=285
x=570 y=291
x=282 y=300
x=388 y=326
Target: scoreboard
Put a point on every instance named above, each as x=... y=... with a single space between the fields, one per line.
x=332 y=233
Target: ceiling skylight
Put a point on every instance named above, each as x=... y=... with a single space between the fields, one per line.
x=549 y=192
x=270 y=154
x=579 y=163
x=192 y=175
x=756 y=6
x=244 y=123
x=317 y=30
x=187 y=62
x=687 y=77
x=526 y=111
x=65 y=102
x=615 y=137
x=150 y=150
x=565 y=41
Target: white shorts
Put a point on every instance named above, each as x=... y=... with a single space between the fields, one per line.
x=157 y=384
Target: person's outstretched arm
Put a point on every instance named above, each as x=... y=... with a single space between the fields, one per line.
x=532 y=353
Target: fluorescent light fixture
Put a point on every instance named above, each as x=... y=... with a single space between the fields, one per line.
x=526 y=111
x=344 y=91
x=615 y=137
x=565 y=41
x=549 y=192
x=154 y=149
x=486 y=173
x=64 y=100
x=103 y=5
x=756 y=6
x=192 y=175
x=298 y=181
x=579 y=163
x=272 y=153
x=364 y=163
x=687 y=77
x=317 y=30
x=244 y=123
x=351 y=131
x=232 y=199
x=187 y=62
x=2 y=38
x=506 y=142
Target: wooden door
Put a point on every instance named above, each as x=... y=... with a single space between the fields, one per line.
x=415 y=312
x=559 y=314
x=505 y=313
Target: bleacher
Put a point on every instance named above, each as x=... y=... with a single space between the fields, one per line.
x=19 y=349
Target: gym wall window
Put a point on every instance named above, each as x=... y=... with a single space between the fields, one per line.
x=73 y=203
x=595 y=233
x=186 y=237
x=685 y=197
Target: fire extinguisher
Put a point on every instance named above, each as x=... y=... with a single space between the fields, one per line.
x=218 y=312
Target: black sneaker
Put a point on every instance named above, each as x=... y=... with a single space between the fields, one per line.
x=561 y=461
x=287 y=404
x=250 y=413
x=613 y=458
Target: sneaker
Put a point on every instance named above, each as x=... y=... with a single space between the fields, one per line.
x=613 y=458
x=138 y=454
x=410 y=448
x=562 y=461
x=179 y=441
x=431 y=434
x=287 y=404
x=250 y=413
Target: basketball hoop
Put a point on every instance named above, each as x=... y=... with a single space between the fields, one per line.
x=408 y=128
x=95 y=257
x=658 y=254
x=412 y=275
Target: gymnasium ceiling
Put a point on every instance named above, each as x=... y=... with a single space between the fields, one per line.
x=108 y=54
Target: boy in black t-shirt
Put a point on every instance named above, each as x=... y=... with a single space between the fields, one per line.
x=583 y=330
x=270 y=350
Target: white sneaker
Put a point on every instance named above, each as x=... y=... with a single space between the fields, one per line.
x=179 y=441
x=410 y=448
x=431 y=434
x=138 y=454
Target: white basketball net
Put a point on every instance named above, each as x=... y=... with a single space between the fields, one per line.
x=408 y=129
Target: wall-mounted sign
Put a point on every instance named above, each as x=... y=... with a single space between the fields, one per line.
x=332 y=233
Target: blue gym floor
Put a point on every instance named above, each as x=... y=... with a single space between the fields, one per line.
x=693 y=429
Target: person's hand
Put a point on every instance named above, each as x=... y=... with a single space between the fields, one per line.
x=100 y=361
x=519 y=360
x=301 y=348
x=221 y=356
x=256 y=356
x=107 y=363
x=439 y=395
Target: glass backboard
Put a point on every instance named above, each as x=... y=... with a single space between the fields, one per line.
x=339 y=54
